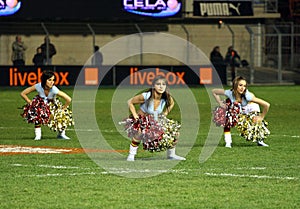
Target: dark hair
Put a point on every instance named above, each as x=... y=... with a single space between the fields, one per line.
x=17 y=37
x=216 y=47
x=96 y=48
x=166 y=95
x=47 y=38
x=45 y=76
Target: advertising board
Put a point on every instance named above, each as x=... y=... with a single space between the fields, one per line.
x=110 y=76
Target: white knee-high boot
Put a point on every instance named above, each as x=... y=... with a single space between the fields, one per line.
x=38 y=133
x=262 y=143
x=172 y=156
x=62 y=135
x=132 y=152
x=228 y=140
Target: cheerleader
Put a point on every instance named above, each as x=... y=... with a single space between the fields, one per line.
x=154 y=102
x=47 y=91
x=240 y=94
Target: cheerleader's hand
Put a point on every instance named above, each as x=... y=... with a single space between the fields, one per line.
x=257 y=119
x=136 y=117
x=65 y=107
x=223 y=105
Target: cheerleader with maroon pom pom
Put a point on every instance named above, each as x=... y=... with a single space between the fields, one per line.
x=37 y=110
x=149 y=124
x=227 y=115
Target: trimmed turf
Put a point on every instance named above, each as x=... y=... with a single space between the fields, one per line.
x=246 y=176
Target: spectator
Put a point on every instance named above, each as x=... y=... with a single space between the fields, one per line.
x=97 y=58
x=38 y=58
x=18 y=52
x=232 y=59
x=218 y=62
x=48 y=51
x=216 y=57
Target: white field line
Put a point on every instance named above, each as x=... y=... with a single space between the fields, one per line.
x=252 y=168
x=276 y=135
x=120 y=171
x=181 y=170
x=115 y=131
x=60 y=174
x=291 y=136
x=69 y=129
x=17 y=127
x=112 y=170
x=104 y=173
x=51 y=166
x=250 y=176
x=128 y=171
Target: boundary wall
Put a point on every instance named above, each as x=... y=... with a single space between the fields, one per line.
x=77 y=49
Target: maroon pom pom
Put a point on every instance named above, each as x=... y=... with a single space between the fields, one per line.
x=227 y=117
x=37 y=112
x=146 y=129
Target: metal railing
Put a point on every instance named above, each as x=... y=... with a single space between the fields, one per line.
x=278 y=48
x=269 y=6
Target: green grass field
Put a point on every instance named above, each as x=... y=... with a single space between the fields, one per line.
x=246 y=176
